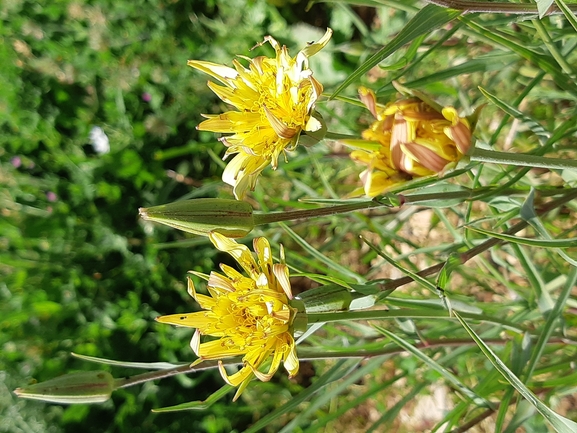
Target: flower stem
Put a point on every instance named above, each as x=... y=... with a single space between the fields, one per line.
x=521 y=159
x=274 y=217
x=407 y=313
x=308 y=354
x=161 y=374
x=337 y=136
x=496 y=7
x=416 y=199
x=311 y=354
x=571 y=194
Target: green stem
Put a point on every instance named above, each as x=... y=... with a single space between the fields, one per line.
x=415 y=199
x=521 y=159
x=550 y=44
x=336 y=136
x=571 y=194
x=307 y=354
x=274 y=217
x=496 y=7
x=405 y=313
x=161 y=374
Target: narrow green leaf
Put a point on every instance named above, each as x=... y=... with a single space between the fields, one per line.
x=569 y=14
x=429 y=18
x=544 y=243
x=535 y=126
x=198 y=405
x=453 y=262
x=338 y=371
x=417 y=278
x=143 y=365
x=485 y=64
x=554 y=315
x=559 y=423
x=527 y=211
x=390 y=414
x=528 y=214
x=321 y=257
x=523 y=413
x=320 y=400
x=544 y=62
x=534 y=277
x=446 y=374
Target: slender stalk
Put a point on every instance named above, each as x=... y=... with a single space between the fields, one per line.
x=496 y=7
x=468 y=255
x=408 y=313
x=521 y=159
x=548 y=42
x=337 y=136
x=161 y=374
x=307 y=355
x=274 y=217
x=473 y=194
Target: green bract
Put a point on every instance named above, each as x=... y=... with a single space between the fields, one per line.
x=231 y=218
x=81 y=387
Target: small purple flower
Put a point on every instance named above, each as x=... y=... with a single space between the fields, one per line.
x=51 y=196
x=146 y=97
x=16 y=161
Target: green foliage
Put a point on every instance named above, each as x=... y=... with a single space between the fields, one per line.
x=79 y=272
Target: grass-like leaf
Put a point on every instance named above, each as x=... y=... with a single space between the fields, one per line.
x=429 y=18
x=559 y=423
x=553 y=316
x=338 y=371
x=143 y=365
x=544 y=62
x=569 y=14
x=543 y=243
x=446 y=374
x=198 y=405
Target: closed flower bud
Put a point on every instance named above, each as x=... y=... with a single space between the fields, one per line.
x=82 y=387
x=412 y=137
x=231 y=218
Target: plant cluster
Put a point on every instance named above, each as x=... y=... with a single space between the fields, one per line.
x=427 y=249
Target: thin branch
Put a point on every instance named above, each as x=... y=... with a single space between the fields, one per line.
x=475 y=251
x=496 y=7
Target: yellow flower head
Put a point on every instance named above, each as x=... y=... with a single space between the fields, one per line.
x=249 y=315
x=410 y=138
x=274 y=98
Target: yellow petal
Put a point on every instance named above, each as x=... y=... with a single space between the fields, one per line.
x=369 y=99
x=195 y=343
x=315 y=47
x=192 y=320
x=237 y=378
x=218 y=349
x=239 y=252
x=281 y=272
x=291 y=363
x=283 y=131
x=220 y=72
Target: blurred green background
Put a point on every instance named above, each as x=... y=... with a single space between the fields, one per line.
x=79 y=272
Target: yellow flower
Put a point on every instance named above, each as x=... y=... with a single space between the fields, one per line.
x=410 y=138
x=249 y=315
x=275 y=99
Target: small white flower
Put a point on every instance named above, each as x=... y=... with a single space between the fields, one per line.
x=99 y=140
